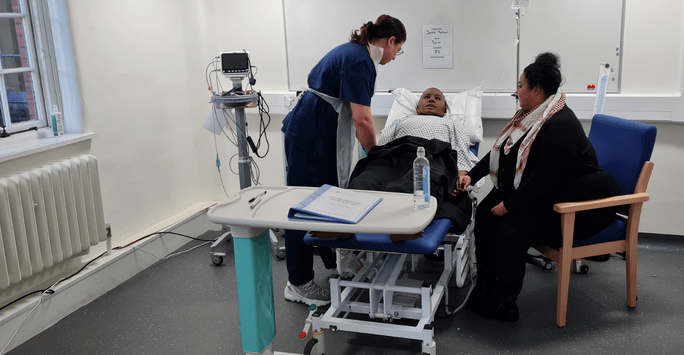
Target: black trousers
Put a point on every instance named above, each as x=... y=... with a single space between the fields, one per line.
x=501 y=242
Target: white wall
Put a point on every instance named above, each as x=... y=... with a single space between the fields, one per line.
x=141 y=72
x=652 y=65
x=652 y=51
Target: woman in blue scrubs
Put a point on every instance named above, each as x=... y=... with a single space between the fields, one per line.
x=320 y=129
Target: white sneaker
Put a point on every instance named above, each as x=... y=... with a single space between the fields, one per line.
x=308 y=293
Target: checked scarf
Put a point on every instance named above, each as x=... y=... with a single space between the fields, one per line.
x=524 y=122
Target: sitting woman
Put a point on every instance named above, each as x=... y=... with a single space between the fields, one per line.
x=389 y=165
x=429 y=123
x=541 y=157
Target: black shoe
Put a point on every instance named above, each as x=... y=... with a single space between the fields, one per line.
x=507 y=312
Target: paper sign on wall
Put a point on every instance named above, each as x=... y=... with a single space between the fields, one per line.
x=437 y=44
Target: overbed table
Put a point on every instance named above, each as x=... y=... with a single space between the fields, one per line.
x=249 y=227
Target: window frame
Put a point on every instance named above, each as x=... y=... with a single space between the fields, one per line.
x=42 y=65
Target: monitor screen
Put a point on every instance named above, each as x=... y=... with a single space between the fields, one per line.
x=235 y=63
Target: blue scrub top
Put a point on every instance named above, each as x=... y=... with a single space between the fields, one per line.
x=346 y=72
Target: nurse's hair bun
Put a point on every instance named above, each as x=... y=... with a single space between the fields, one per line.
x=385 y=26
x=371 y=28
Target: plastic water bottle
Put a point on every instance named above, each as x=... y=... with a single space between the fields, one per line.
x=421 y=180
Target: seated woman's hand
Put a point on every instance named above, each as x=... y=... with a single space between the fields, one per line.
x=462 y=185
x=499 y=210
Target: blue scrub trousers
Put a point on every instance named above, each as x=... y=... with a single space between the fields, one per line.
x=305 y=168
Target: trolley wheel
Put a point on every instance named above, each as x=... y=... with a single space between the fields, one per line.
x=309 y=346
x=547 y=265
x=430 y=350
x=280 y=255
x=217 y=260
x=584 y=269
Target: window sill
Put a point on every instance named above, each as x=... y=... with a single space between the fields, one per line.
x=35 y=142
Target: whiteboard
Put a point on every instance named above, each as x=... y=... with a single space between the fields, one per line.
x=584 y=33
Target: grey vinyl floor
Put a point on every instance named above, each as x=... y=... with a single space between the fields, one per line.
x=186 y=305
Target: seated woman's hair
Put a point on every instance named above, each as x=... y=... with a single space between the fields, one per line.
x=545 y=72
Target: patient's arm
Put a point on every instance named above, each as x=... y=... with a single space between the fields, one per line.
x=365 y=128
x=460 y=142
x=387 y=133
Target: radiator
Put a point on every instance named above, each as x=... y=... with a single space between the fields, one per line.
x=48 y=215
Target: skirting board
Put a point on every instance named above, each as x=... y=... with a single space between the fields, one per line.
x=98 y=278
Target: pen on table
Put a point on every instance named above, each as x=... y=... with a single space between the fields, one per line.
x=257 y=196
x=255 y=201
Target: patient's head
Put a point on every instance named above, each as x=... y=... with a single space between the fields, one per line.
x=432 y=103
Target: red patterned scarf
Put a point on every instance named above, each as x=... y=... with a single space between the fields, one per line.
x=524 y=122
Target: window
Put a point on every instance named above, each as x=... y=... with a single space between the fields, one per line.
x=28 y=78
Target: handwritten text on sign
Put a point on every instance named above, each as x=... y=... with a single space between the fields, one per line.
x=437 y=44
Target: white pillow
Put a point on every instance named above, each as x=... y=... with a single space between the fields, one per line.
x=467 y=106
x=464 y=106
x=405 y=103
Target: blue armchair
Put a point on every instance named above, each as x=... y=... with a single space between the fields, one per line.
x=623 y=148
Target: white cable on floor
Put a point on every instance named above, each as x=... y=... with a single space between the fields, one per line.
x=29 y=313
x=174 y=254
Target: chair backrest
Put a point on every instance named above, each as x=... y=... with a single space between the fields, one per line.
x=622 y=146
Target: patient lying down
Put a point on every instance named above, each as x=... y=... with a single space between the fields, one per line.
x=430 y=123
x=389 y=165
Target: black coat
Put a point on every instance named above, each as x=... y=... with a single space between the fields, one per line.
x=390 y=168
x=561 y=167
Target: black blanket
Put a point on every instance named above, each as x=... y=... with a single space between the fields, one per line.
x=390 y=168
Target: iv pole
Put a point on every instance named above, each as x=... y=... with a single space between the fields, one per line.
x=517 y=47
x=239 y=103
x=518 y=6
x=517 y=58
x=244 y=163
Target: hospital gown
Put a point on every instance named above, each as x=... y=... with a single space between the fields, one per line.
x=433 y=127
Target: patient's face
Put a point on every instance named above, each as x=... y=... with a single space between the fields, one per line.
x=432 y=103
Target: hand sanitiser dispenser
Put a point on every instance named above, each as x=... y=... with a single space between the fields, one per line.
x=57 y=122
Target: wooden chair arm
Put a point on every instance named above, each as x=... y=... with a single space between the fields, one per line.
x=567 y=207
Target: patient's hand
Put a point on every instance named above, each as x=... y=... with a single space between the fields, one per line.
x=461 y=185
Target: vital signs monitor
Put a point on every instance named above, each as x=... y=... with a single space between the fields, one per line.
x=235 y=63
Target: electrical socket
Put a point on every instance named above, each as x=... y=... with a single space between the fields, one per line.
x=288 y=100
